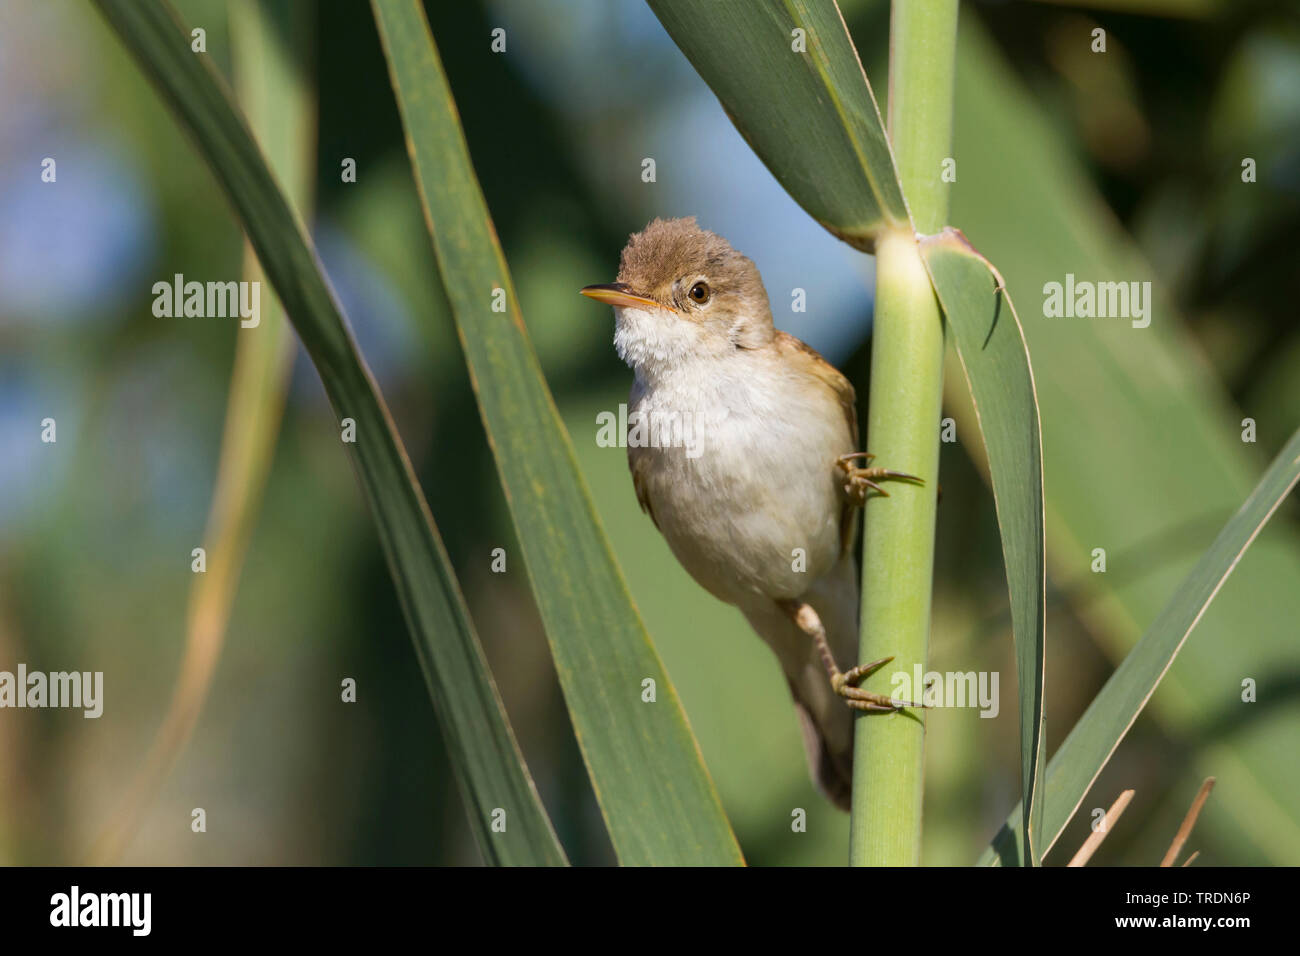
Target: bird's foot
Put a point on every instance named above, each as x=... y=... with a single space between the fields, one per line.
x=860 y=482
x=845 y=684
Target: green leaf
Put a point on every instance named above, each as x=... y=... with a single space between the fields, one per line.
x=654 y=791
x=810 y=116
x=813 y=120
x=279 y=102
x=991 y=345
x=489 y=766
x=1112 y=712
x=1143 y=453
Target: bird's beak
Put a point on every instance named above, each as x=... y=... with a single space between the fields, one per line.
x=620 y=294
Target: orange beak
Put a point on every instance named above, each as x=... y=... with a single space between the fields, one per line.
x=620 y=294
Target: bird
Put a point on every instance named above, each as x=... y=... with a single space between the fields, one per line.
x=759 y=505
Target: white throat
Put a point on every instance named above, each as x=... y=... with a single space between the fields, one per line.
x=658 y=345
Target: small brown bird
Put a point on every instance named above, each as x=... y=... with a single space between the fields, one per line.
x=748 y=470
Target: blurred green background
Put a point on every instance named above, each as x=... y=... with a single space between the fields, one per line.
x=1119 y=166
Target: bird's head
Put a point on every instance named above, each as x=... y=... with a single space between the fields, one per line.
x=683 y=293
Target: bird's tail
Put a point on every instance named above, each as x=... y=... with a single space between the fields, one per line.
x=824 y=718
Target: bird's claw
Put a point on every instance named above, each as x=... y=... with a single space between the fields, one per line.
x=845 y=685
x=860 y=482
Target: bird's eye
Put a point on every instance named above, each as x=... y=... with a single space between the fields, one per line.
x=700 y=292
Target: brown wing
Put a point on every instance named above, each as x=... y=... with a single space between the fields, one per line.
x=810 y=361
x=637 y=462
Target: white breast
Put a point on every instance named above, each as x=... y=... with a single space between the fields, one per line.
x=756 y=486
